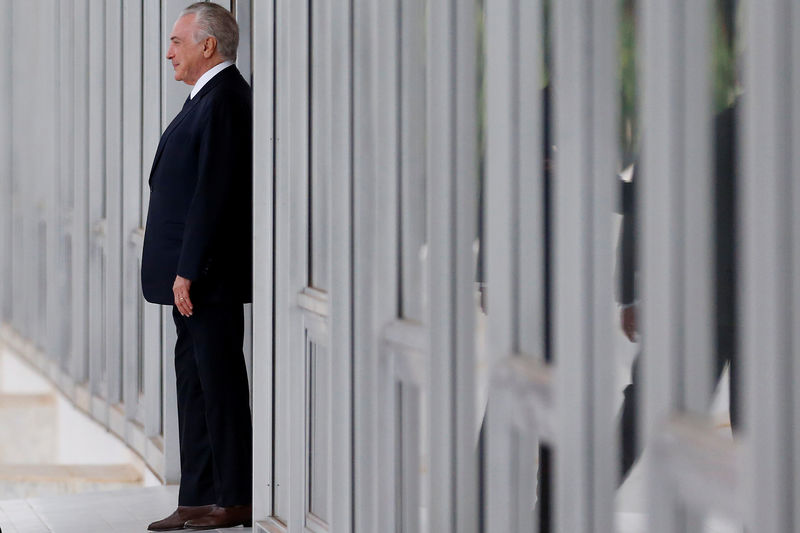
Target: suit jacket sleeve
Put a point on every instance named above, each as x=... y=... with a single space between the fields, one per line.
x=220 y=159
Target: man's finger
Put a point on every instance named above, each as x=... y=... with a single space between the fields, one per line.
x=180 y=303
x=186 y=305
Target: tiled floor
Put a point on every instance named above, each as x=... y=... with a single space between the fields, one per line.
x=123 y=511
x=130 y=510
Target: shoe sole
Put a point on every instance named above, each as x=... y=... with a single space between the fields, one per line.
x=220 y=526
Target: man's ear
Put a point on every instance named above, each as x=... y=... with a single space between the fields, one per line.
x=209 y=47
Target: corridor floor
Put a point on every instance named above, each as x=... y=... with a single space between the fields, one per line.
x=130 y=510
x=122 y=511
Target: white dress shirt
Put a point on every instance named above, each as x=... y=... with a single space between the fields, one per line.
x=207 y=75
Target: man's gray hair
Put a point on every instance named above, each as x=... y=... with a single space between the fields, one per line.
x=213 y=20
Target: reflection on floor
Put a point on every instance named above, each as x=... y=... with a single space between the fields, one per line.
x=121 y=511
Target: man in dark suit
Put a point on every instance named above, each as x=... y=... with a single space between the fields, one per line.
x=724 y=191
x=197 y=257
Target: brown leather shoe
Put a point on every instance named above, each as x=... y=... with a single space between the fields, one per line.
x=177 y=519
x=222 y=517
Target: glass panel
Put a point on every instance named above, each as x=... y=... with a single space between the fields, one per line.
x=319 y=134
x=318 y=430
x=42 y=263
x=400 y=480
x=103 y=320
x=409 y=453
x=413 y=203
x=67 y=353
x=140 y=341
x=281 y=451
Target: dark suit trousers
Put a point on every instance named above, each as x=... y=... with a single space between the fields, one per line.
x=630 y=443
x=213 y=406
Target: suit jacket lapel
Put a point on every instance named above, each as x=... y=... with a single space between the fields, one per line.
x=164 y=136
x=187 y=107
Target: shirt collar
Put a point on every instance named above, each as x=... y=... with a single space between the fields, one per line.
x=207 y=75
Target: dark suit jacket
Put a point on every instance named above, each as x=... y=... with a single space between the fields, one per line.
x=724 y=193
x=199 y=223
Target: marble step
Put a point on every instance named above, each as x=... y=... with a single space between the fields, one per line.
x=40 y=480
x=29 y=425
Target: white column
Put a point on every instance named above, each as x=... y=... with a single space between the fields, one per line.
x=768 y=274
x=514 y=244
x=158 y=356
x=116 y=240
x=57 y=302
x=452 y=227
x=675 y=209
x=389 y=23
x=97 y=318
x=66 y=175
x=342 y=457
x=263 y=250
x=585 y=98
x=794 y=436
x=131 y=197
x=282 y=263
x=80 y=213
x=463 y=199
x=365 y=326
x=5 y=164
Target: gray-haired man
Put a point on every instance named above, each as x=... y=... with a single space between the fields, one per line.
x=197 y=257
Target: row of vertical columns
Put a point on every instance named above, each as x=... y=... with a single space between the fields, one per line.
x=380 y=157
x=87 y=102
x=86 y=111
x=675 y=207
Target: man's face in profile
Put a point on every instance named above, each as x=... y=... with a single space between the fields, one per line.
x=186 y=54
